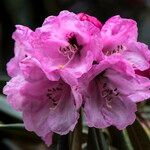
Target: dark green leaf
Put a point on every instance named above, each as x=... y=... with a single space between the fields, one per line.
x=76 y=137
x=139 y=136
x=120 y=139
x=63 y=143
x=12 y=126
x=6 y=109
x=96 y=140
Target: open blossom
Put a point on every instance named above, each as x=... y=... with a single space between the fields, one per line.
x=66 y=42
x=112 y=92
x=74 y=61
x=47 y=106
x=120 y=37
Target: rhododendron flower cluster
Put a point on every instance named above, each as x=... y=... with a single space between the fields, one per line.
x=74 y=62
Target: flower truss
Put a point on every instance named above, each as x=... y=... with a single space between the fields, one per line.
x=74 y=61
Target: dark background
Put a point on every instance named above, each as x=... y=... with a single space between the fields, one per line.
x=32 y=13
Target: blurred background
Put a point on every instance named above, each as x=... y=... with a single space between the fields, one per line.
x=32 y=13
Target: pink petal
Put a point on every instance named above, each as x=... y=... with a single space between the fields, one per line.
x=138 y=55
x=136 y=89
x=22 y=49
x=13 y=91
x=121 y=114
x=120 y=28
x=48 y=139
x=93 y=108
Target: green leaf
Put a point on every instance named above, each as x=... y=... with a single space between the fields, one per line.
x=17 y=132
x=120 y=139
x=3 y=80
x=96 y=140
x=63 y=143
x=75 y=142
x=14 y=126
x=139 y=136
x=6 y=109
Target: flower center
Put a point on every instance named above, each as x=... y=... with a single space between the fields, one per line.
x=118 y=49
x=109 y=94
x=72 y=48
x=54 y=93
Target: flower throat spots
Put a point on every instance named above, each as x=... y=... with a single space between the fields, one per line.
x=54 y=93
x=109 y=94
x=118 y=49
x=73 y=47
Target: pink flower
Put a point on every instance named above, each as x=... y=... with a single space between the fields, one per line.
x=47 y=106
x=65 y=42
x=120 y=38
x=110 y=96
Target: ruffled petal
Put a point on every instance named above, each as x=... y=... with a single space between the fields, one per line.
x=13 y=67
x=120 y=29
x=43 y=114
x=135 y=88
x=121 y=112
x=30 y=69
x=64 y=118
x=93 y=105
x=48 y=139
x=13 y=90
x=142 y=91
x=22 y=49
x=138 y=55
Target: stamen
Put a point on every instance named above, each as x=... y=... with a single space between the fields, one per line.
x=118 y=49
x=54 y=94
x=108 y=104
x=115 y=89
x=61 y=66
x=109 y=94
x=95 y=62
x=72 y=48
x=117 y=94
x=104 y=85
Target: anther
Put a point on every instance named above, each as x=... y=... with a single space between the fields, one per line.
x=58 y=89
x=95 y=62
x=104 y=85
x=117 y=94
x=115 y=89
x=54 y=89
x=121 y=47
